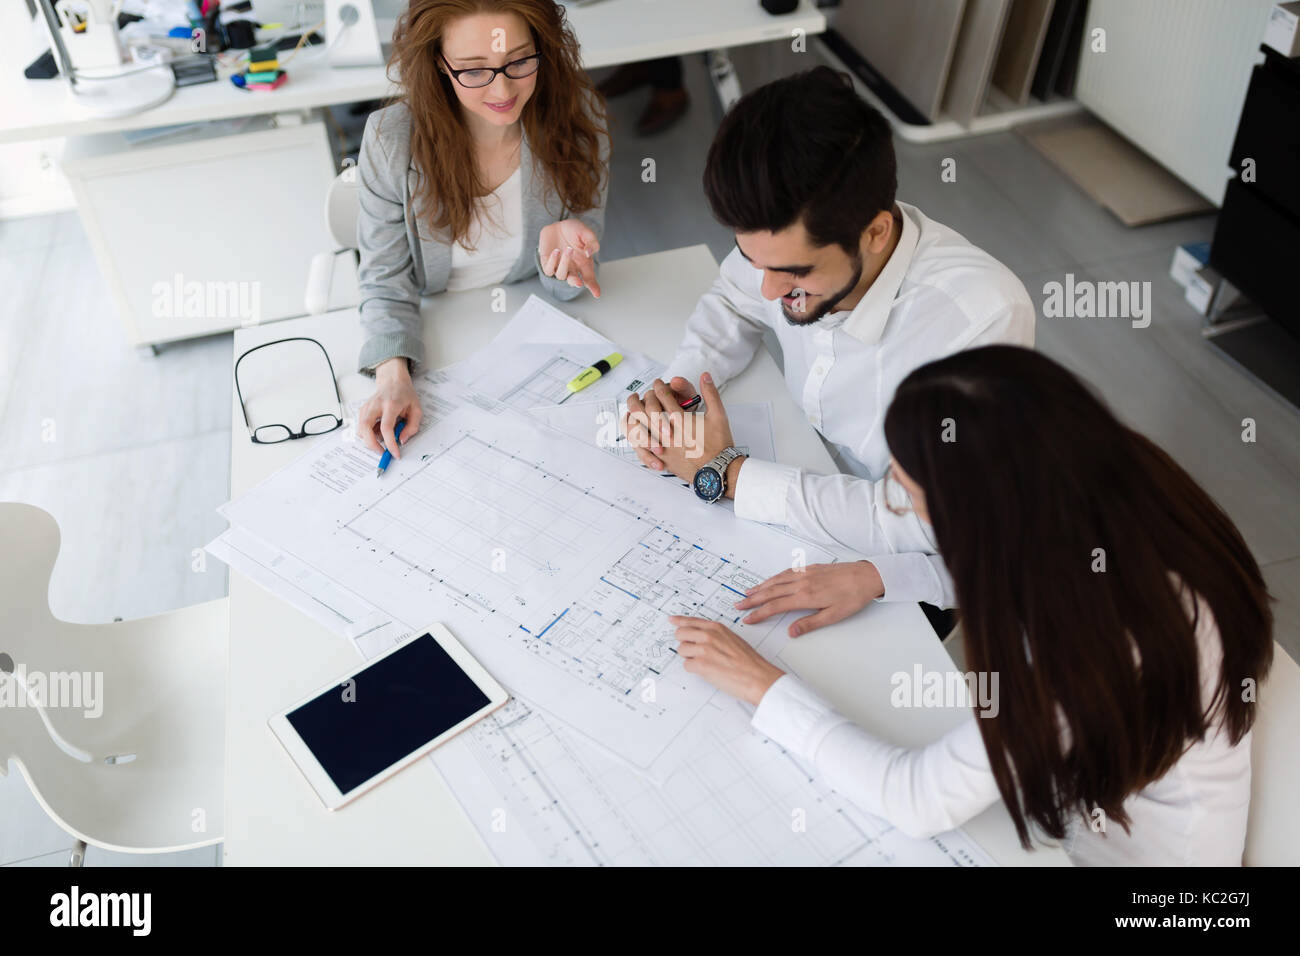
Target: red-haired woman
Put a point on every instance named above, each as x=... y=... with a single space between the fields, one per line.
x=490 y=168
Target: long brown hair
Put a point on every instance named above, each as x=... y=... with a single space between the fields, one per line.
x=562 y=134
x=1027 y=474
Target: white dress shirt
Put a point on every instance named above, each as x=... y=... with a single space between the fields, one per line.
x=497 y=246
x=1195 y=815
x=937 y=294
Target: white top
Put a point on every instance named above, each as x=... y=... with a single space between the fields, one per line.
x=937 y=294
x=1195 y=815
x=498 y=246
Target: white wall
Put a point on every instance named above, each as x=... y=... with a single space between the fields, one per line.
x=1174 y=77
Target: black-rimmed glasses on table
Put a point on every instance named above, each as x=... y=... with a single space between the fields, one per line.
x=478 y=77
x=316 y=425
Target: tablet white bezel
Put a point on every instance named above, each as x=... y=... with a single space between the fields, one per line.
x=311 y=768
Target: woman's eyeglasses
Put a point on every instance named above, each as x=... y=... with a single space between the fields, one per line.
x=481 y=76
x=316 y=425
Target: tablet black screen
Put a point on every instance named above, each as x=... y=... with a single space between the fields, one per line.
x=392 y=708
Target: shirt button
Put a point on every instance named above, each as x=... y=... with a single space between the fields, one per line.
x=819 y=369
x=812 y=419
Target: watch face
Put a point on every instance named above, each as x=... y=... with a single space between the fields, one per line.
x=708 y=483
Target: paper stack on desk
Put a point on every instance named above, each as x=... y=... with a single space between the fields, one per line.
x=556 y=564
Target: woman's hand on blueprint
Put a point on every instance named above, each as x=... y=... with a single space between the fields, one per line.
x=395 y=397
x=834 y=591
x=723 y=658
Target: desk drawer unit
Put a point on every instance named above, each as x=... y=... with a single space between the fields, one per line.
x=206 y=230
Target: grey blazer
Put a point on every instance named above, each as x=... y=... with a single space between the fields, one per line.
x=398 y=266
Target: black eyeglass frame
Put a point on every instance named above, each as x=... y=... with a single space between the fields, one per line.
x=302 y=432
x=494 y=70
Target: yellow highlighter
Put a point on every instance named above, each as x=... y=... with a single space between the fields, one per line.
x=592 y=373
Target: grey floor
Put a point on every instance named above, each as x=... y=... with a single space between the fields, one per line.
x=130 y=453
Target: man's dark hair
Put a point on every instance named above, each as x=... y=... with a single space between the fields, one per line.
x=804 y=147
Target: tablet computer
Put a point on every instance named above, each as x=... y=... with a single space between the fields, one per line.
x=361 y=729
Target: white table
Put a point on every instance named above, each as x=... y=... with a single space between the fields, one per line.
x=610 y=32
x=278 y=655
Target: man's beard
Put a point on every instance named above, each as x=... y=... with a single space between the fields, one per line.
x=808 y=318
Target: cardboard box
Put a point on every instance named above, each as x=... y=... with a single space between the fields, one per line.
x=1282 y=32
x=1188 y=258
x=1200 y=289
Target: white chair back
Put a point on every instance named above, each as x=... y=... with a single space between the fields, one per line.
x=133 y=755
x=342 y=208
x=1273 y=834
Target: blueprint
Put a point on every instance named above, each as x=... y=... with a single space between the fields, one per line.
x=539 y=321
x=537 y=376
x=556 y=565
x=529 y=363
x=540 y=795
x=320 y=598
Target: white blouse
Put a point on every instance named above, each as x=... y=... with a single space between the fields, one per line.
x=497 y=247
x=1195 y=815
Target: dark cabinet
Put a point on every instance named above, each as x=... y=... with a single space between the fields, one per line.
x=1256 y=243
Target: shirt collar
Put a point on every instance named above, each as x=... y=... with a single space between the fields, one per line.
x=867 y=321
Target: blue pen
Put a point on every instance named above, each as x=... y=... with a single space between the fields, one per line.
x=388 y=455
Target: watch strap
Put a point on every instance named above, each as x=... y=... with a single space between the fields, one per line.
x=724 y=458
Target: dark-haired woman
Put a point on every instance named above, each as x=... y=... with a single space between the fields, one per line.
x=491 y=168
x=1120 y=608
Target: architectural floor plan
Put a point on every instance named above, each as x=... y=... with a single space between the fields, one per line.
x=540 y=795
x=554 y=563
x=557 y=565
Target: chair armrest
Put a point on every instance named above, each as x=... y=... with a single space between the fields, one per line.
x=319 y=281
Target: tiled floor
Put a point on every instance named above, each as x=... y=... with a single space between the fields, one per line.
x=130 y=453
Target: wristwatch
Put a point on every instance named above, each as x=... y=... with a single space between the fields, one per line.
x=710 y=481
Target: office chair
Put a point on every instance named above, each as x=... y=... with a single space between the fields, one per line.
x=342 y=208
x=146 y=774
x=1273 y=834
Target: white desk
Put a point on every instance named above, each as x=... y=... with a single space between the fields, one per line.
x=277 y=654
x=611 y=32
